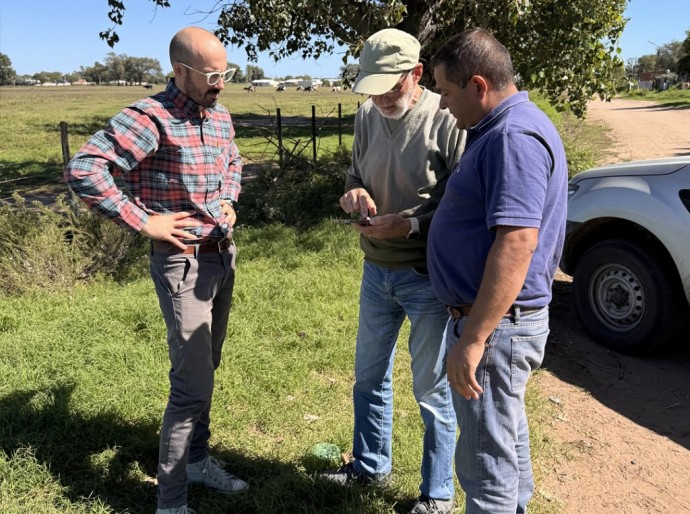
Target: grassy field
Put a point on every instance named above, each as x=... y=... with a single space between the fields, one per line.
x=84 y=367
x=673 y=97
x=30 y=144
x=85 y=382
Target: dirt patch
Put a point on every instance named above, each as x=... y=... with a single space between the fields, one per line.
x=622 y=424
x=642 y=130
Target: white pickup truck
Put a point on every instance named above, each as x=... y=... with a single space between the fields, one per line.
x=627 y=248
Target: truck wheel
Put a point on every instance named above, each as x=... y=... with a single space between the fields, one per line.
x=627 y=298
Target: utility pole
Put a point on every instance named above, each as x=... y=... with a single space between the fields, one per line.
x=656 y=63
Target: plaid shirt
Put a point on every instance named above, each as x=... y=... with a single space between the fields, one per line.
x=170 y=160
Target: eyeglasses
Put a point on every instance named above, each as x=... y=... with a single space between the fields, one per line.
x=398 y=86
x=213 y=77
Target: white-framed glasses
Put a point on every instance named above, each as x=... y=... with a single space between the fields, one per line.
x=213 y=77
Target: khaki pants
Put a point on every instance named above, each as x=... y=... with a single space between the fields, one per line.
x=195 y=294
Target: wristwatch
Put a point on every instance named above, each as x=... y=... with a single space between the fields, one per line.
x=414 y=232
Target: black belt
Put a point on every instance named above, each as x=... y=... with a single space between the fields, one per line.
x=213 y=246
x=461 y=311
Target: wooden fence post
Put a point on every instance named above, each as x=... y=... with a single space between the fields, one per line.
x=64 y=142
x=313 y=131
x=279 y=126
x=340 y=127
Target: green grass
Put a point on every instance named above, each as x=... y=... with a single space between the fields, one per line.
x=584 y=143
x=671 y=97
x=85 y=383
x=30 y=145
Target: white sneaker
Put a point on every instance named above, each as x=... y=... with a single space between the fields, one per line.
x=176 y=510
x=210 y=473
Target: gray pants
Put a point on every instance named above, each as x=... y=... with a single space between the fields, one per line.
x=195 y=294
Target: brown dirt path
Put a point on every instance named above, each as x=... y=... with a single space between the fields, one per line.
x=642 y=130
x=621 y=424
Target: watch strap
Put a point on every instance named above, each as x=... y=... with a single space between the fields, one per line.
x=414 y=228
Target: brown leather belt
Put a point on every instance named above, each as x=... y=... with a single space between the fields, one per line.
x=460 y=311
x=215 y=246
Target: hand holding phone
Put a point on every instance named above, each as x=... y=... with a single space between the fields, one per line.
x=356 y=221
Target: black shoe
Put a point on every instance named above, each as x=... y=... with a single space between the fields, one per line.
x=426 y=505
x=347 y=475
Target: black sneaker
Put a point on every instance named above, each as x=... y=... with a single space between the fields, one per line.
x=426 y=505
x=347 y=475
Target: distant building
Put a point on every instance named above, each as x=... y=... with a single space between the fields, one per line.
x=659 y=80
x=310 y=83
x=28 y=82
x=264 y=83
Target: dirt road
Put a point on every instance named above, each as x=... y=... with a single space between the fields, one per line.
x=622 y=424
x=643 y=130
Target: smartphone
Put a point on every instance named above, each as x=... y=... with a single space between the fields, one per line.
x=356 y=221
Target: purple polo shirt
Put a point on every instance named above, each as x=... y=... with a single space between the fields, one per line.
x=513 y=173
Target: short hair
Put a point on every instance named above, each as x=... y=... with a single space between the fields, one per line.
x=475 y=52
x=180 y=48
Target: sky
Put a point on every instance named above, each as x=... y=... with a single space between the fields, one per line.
x=62 y=35
x=658 y=21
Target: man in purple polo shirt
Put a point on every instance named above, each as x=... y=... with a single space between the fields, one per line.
x=494 y=245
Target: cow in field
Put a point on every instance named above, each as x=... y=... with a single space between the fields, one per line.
x=148 y=86
x=250 y=89
x=280 y=88
x=335 y=89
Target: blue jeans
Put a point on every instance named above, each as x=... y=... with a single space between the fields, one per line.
x=386 y=296
x=492 y=457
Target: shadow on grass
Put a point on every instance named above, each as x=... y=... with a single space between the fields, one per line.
x=105 y=456
x=82 y=130
x=69 y=444
x=10 y=170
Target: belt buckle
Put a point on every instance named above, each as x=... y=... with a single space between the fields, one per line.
x=455 y=312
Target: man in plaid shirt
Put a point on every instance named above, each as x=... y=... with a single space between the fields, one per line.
x=176 y=154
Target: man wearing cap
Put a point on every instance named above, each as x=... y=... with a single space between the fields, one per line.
x=403 y=152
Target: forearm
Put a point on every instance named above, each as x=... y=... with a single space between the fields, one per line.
x=232 y=176
x=90 y=179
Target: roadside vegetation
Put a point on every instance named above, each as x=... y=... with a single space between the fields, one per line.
x=82 y=351
x=673 y=97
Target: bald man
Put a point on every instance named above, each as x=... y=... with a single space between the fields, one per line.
x=175 y=153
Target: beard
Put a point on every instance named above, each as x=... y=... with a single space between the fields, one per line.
x=397 y=109
x=202 y=96
x=210 y=101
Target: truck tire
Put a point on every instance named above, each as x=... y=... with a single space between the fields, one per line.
x=628 y=297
